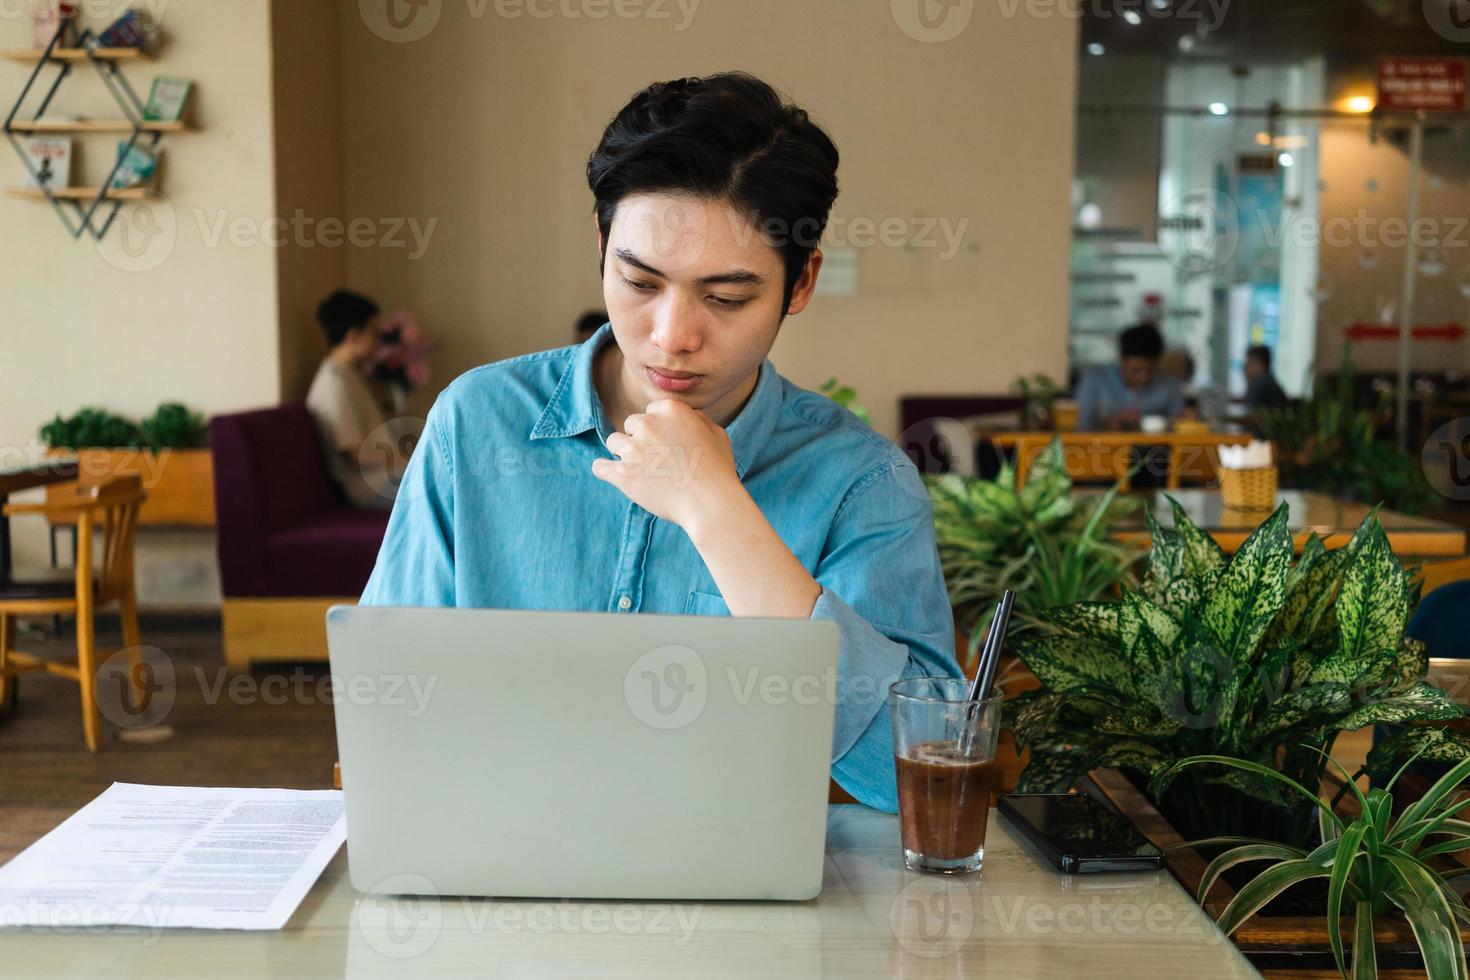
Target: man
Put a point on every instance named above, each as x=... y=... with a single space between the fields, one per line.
x=1118 y=396
x=664 y=466
x=1262 y=393
x=348 y=418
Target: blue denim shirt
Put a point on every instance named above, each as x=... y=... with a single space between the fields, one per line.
x=499 y=508
x=1102 y=391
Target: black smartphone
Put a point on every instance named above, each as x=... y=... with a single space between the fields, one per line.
x=1080 y=835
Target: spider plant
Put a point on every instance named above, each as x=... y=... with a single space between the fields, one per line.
x=1372 y=863
x=1051 y=546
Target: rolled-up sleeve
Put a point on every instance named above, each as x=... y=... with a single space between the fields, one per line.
x=415 y=565
x=883 y=587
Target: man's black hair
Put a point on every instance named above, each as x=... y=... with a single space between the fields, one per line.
x=1259 y=352
x=343 y=311
x=726 y=137
x=1144 y=340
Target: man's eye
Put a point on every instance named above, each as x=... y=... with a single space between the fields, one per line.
x=730 y=303
x=640 y=286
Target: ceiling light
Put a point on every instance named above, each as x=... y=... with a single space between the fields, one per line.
x=1133 y=17
x=1219 y=109
x=1358 y=103
x=1286 y=159
x=1095 y=49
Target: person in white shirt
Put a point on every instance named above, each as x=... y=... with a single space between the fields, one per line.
x=354 y=428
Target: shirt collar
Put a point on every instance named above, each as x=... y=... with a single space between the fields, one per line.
x=574 y=406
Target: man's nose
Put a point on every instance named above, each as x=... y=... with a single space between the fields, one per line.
x=677 y=328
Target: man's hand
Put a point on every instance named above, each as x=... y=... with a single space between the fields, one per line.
x=674 y=462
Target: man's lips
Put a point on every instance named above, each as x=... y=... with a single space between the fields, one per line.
x=670 y=380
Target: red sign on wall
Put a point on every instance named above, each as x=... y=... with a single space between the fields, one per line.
x=1434 y=84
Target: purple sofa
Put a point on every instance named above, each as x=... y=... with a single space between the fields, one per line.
x=289 y=545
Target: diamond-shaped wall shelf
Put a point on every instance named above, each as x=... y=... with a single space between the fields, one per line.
x=83 y=210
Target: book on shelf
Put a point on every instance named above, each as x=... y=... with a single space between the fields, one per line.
x=167 y=100
x=138 y=168
x=50 y=162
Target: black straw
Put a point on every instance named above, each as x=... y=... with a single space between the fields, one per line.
x=990 y=652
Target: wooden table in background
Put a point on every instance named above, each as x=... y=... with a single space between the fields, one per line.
x=1332 y=518
x=1108 y=455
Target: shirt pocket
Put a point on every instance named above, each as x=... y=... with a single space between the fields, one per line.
x=705 y=604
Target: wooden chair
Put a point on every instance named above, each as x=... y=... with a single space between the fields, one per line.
x=107 y=510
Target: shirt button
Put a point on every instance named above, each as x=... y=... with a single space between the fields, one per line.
x=625 y=603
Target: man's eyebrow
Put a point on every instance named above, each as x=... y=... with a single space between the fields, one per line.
x=735 y=277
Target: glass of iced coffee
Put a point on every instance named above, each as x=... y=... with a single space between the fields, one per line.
x=944 y=753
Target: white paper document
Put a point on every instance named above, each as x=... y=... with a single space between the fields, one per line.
x=176 y=857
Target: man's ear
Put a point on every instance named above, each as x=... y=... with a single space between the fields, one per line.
x=806 y=283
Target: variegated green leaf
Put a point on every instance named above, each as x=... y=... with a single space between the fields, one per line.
x=1410 y=664
x=1310 y=596
x=1074 y=664
x=1373 y=605
x=1432 y=743
x=1094 y=620
x=1202 y=557
x=1301 y=708
x=1422 y=702
x=1251 y=591
x=1053 y=772
x=1138 y=615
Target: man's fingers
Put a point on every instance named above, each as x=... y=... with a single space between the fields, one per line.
x=618 y=442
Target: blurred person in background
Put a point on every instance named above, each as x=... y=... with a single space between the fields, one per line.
x=1118 y=396
x=1262 y=393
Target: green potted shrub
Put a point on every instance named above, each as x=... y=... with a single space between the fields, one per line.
x=167 y=450
x=1254 y=656
x=1040 y=393
x=1049 y=544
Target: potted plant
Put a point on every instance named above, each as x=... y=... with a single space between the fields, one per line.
x=168 y=450
x=1376 y=865
x=1327 y=443
x=1040 y=394
x=1253 y=656
x=1051 y=546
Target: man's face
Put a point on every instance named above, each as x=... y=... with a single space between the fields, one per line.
x=694 y=295
x=1254 y=368
x=1138 y=372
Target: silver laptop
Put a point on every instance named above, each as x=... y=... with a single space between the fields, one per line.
x=583 y=755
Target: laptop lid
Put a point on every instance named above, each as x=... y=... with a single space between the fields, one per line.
x=583 y=755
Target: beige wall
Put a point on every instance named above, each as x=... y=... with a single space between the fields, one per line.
x=307 y=107
x=144 y=318
x=1349 y=161
x=484 y=125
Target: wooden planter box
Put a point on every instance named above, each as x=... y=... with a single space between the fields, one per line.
x=1279 y=946
x=179 y=482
